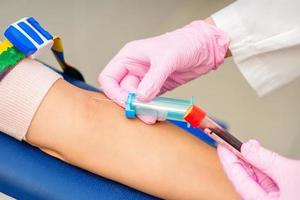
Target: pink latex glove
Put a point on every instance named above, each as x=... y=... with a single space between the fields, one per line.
x=271 y=176
x=155 y=65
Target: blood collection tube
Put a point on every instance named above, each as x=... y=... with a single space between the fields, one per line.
x=198 y=118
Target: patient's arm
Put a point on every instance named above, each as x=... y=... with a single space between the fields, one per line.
x=160 y=159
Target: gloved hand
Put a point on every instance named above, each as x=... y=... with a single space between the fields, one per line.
x=266 y=176
x=155 y=65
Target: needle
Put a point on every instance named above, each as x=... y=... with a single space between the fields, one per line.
x=104 y=99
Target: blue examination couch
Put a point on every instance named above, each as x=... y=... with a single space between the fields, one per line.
x=28 y=173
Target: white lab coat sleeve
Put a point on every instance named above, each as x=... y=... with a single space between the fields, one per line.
x=265 y=40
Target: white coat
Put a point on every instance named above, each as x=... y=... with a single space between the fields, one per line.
x=265 y=40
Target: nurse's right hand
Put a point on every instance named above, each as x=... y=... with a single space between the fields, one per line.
x=152 y=66
x=269 y=177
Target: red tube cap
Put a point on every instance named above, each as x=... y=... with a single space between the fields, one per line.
x=194 y=116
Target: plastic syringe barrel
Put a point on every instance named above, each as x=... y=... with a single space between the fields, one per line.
x=162 y=108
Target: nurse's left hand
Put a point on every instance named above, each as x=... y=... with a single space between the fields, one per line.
x=153 y=66
x=269 y=175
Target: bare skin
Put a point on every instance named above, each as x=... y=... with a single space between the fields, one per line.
x=162 y=160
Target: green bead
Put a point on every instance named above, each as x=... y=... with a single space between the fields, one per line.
x=10 y=57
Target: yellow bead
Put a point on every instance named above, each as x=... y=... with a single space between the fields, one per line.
x=4 y=45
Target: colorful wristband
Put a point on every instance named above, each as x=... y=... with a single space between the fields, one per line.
x=27 y=37
x=4 y=45
x=9 y=57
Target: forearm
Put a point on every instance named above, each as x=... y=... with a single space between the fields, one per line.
x=161 y=160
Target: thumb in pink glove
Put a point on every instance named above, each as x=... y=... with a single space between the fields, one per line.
x=267 y=175
x=155 y=65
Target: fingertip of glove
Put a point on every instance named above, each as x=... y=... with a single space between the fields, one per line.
x=140 y=95
x=101 y=80
x=226 y=155
x=143 y=95
x=147 y=119
x=250 y=149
